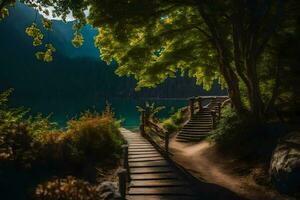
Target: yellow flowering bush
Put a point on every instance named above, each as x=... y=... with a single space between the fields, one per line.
x=96 y=136
x=67 y=189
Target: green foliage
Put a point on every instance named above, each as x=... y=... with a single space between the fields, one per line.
x=39 y=124
x=36 y=34
x=150 y=109
x=226 y=41
x=66 y=189
x=78 y=40
x=174 y=122
x=17 y=134
x=3 y=13
x=233 y=131
x=95 y=136
x=46 y=56
x=47 y=24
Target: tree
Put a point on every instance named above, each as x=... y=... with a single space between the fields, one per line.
x=226 y=40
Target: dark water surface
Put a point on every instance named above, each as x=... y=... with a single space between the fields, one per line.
x=62 y=110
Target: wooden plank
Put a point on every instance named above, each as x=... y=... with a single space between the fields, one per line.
x=157 y=183
x=140 y=146
x=159 y=176
x=146 y=159
x=149 y=164
x=152 y=178
x=144 y=153
x=137 y=143
x=144 y=170
x=141 y=150
x=160 y=191
x=137 y=150
x=161 y=197
x=145 y=156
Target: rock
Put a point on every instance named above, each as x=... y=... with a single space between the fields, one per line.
x=108 y=191
x=285 y=164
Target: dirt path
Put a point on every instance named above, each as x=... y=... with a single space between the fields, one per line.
x=203 y=161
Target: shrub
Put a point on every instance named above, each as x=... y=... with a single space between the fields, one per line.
x=169 y=125
x=234 y=132
x=18 y=134
x=174 y=122
x=96 y=136
x=66 y=189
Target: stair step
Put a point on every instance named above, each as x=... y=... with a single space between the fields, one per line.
x=200 y=121
x=191 y=136
x=195 y=130
x=198 y=126
x=202 y=115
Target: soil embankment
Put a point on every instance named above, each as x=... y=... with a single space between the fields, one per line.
x=204 y=162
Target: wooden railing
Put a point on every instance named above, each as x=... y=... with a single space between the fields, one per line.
x=196 y=105
x=155 y=134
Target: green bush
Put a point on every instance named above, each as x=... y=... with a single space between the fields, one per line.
x=234 y=132
x=36 y=140
x=34 y=145
x=174 y=122
x=95 y=136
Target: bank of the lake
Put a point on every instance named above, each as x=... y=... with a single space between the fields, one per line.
x=62 y=110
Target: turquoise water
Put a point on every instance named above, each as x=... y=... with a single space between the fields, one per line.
x=124 y=108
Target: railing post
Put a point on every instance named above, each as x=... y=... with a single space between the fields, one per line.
x=122 y=183
x=142 y=126
x=200 y=103
x=192 y=100
x=219 y=110
x=167 y=139
x=213 y=119
x=125 y=161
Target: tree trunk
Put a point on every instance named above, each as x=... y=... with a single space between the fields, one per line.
x=232 y=82
x=256 y=103
x=227 y=72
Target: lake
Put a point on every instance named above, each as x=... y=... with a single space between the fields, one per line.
x=62 y=110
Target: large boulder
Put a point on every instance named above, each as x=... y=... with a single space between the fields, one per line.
x=285 y=164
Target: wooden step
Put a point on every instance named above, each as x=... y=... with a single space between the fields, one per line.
x=161 y=191
x=156 y=183
x=145 y=159
x=201 y=120
x=149 y=164
x=196 y=130
x=197 y=127
x=148 y=170
x=152 y=176
x=144 y=156
x=161 y=197
x=192 y=137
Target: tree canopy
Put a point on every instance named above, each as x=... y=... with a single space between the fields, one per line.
x=238 y=42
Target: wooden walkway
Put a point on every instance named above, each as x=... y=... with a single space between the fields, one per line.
x=152 y=177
